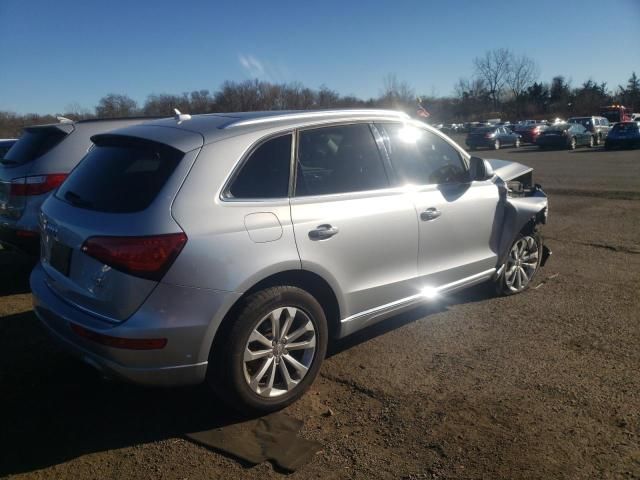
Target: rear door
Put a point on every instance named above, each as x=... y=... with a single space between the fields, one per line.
x=456 y=217
x=350 y=226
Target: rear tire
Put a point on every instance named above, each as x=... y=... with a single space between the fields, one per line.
x=517 y=143
x=592 y=142
x=496 y=145
x=523 y=262
x=263 y=362
x=573 y=143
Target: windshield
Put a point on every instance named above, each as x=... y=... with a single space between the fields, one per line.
x=612 y=115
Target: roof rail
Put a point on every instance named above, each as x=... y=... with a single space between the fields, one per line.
x=108 y=119
x=314 y=114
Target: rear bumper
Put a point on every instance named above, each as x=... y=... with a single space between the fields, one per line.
x=480 y=142
x=557 y=142
x=188 y=318
x=622 y=143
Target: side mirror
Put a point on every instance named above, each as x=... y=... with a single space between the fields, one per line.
x=480 y=169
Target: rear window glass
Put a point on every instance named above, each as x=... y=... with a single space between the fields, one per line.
x=625 y=127
x=265 y=174
x=33 y=144
x=119 y=179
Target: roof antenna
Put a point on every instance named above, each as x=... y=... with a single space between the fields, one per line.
x=181 y=117
x=64 y=120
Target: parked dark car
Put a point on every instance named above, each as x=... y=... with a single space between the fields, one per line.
x=565 y=135
x=529 y=132
x=492 y=137
x=5 y=145
x=598 y=126
x=623 y=135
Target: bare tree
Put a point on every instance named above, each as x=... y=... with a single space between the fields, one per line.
x=114 y=105
x=396 y=94
x=521 y=74
x=493 y=68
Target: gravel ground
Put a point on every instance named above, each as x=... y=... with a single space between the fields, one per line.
x=540 y=385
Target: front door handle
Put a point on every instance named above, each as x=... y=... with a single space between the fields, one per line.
x=323 y=232
x=430 y=214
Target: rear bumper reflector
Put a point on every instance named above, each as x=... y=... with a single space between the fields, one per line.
x=119 y=342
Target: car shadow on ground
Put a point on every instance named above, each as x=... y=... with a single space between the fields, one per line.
x=54 y=408
x=15 y=269
x=475 y=294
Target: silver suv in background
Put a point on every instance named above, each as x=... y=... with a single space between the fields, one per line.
x=599 y=127
x=231 y=248
x=35 y=166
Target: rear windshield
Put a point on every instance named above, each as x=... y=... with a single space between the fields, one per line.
x=483 y=129
x=33 y=144
x=625 y=127
x=586 y=121
x=119 y=179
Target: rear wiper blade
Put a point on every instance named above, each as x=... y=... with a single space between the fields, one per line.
x=76 y=199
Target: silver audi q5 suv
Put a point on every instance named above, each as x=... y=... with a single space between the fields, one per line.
x=231 y=248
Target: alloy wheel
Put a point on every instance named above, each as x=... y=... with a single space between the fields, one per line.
x=521 y=264
x=279 y=352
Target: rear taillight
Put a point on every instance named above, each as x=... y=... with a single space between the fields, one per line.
x=145 y=257
x=488 y=135
x=36 y=185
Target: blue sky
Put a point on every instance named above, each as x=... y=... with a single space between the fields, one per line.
x=55 y=53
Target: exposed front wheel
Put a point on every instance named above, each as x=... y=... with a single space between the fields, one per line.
x=272 y=352
x=592 y=142
x=522 y=264
x=572 y=143
x=517 y=143
x=496 y=145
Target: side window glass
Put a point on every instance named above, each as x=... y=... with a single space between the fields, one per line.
x=420 y=157
x=265 y=174
x=339 y=160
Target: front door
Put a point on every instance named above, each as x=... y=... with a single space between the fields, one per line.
x=457 y=218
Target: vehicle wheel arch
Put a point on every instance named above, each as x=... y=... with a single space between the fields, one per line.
x=311 y=282
x=522 y=216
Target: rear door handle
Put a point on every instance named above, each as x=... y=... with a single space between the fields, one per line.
x=430 y=214
x=323 y=232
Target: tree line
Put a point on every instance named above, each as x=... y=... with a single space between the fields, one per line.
x=503 y=85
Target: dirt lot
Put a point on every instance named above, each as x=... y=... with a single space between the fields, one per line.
x=541 y=385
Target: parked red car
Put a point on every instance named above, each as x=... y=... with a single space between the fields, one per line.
x=529 y=133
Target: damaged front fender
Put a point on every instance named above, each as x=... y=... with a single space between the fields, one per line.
x=525 y=205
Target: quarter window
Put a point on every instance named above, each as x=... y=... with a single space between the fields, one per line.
x=265 y=174
x=420 y=157
x=339 y=160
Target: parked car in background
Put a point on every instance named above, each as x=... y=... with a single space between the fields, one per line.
x=623 y=135
x=181 y=253
x=565 y=135
x=529 y=132
x=492 y=137
x=35 y=166
x=598 y=126
x=5 y=145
